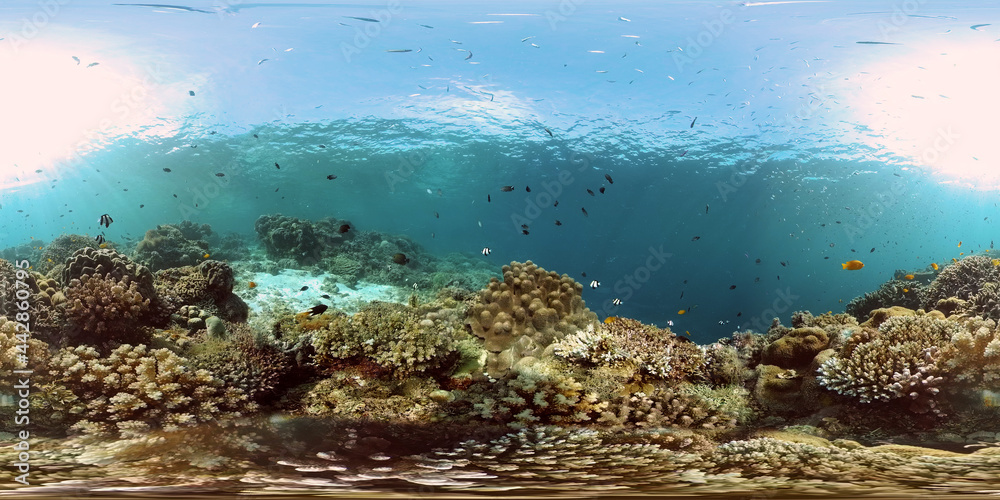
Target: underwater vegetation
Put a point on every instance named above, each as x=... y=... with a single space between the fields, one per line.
x=136 y=352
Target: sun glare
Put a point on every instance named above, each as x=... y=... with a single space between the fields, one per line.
x=938 y=107
x=57 y=104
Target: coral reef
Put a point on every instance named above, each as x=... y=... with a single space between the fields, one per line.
x=303 y=241
x=649 y=353
x=10 y=276
x=56 y=253
x=247 y=362
x=797 y=348
x=172 y=245
x=538 y=394
x=898 y=360
x=209 y=286
x=107 y=310
x=667 y=406
x=963 y=279
x=895 y=292
x=392 y=336
x=134 y=390
x=108 y=263
x=525 y=313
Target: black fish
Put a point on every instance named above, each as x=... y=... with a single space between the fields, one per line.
x=507 y=189
x=610 y=180
x=732 y=287
x=400 y=258
x=524 y=231
x=220 y=174
x=255 y=136
x=106 y=221
x=585 y=214
x=682 y=295
x=739 y=314
x=318 y=309
x=167 y=170
x=601 y=190
x=322 y=146
x=556 y=204
x=325 y=296
x=524 y=226
x=550 y=132
x=487 y=198
x=331 y=177
x=527 y=188
x=304 y=288
x=692 y=122
x=584 y=274
x=558 y=223
x=436 y=215
x=872 y=250
x=784 y=264
x=696 y=238
x=277 y=166
x=591 y=193
x=706 y=208
x=365 y=19
x=191 y=93
x=344 y=228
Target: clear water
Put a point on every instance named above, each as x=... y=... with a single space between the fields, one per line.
x=804 y=134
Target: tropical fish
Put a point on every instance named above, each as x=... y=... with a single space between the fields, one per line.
x=595 y=284
x=304 y=288
x=616 y=301
x=934 y=266
x=486 y=251
x=220 y=174
x=682 y=311
x=610 y=319
x=732 y=287
x=959 y=244
x=852 y=265
x=277 y=166
x=507 y=189
x=99 y=239
x=331 y=177
x=400 y=258
x=344 y=228
x=167 y=170
x=909 y=276
x=591 y=193
x=252 y=285
x=601 y=190
x=206 y=256
x=318 y=309
x=105 y=220
x=585 y=214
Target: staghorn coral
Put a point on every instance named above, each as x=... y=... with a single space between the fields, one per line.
x=895 y=292
x=526 y=312
x=898 y=360
x=648 y=352
x=135 y=389
x=106 y=310
x=393 y=336
x=167 y=246
x=963 y=279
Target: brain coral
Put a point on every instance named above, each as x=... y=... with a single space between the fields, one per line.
x=526 y=312
x=134 y=390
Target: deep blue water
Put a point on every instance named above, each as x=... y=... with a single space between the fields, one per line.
x=763 y=129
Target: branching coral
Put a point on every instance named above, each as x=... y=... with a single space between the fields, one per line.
x=649 y=352
x=972 y=357
x=666 y=406
x=899 y=360
x=538 y=394
x=521 y=315
x=106 y=309
x=392 y=336
x=135 y=389
x=963 y=279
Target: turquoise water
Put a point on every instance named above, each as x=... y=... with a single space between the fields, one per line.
x=804 y=134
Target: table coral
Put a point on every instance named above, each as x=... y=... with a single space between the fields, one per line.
x=135 y=389
x=526 y=312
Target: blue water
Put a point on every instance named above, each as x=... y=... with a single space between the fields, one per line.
x=743 y=124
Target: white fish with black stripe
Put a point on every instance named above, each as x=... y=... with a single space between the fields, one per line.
x=105 y=221
x=616 y=301
x=595 y=284
x=486 y=251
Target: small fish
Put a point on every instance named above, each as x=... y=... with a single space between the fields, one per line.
x=365 y=19
x=325 y=296
x=550 y=132
x=205 y=256
x=277 y=166
x=262 y=61
x=331 y=177
x=595 y=284
x=706 y=208
x=488 y=198
x=255 y=136
x=220 y=174
x=585 y=214
x=954 y=260
x=556 y=204
x=524 y=226
x=623 y=19
x=99 y=239
x=525 y=39
x=696 y=238
x=591 y=193
x=852 y=265
x=910 y=276
x=610 y=319
x=739 y=314
x=91 y=65
x=872 y=250
x=524 y=232
x=344 y=228
x=601 y=190
x=400 y=258
x=558 y=223
x=486 y=251
x=757 y=261
x=304 y=288
x=682 y=311
x=934 y=266
x=784 y=264
x=191 y=93
x=167 y=170
x=400 y=50
x=610 y=180
x=105 y=220
x=732 y=287
x=436 y=215
x=959 y=244
x=255 y=25
x=584 y=274
x=426 y=26
x=77 y=59
x=692 y=122
x=318 y=309
x=527 y=188
x=906 y=290
x=252 y=285
x=507 y=189
x=616 y=301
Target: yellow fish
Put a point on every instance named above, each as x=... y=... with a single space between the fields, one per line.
x=908 y=276
x=954 y=260
x=996 y=262
x=103 y=245
x=50 y=260
x=934 y=266
x=610 y=319
x=906 y=290
x=687 y=333
x=682 y=311
x=853 y=265
x=205 y=256
x=959 y=244
x=252 y=285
